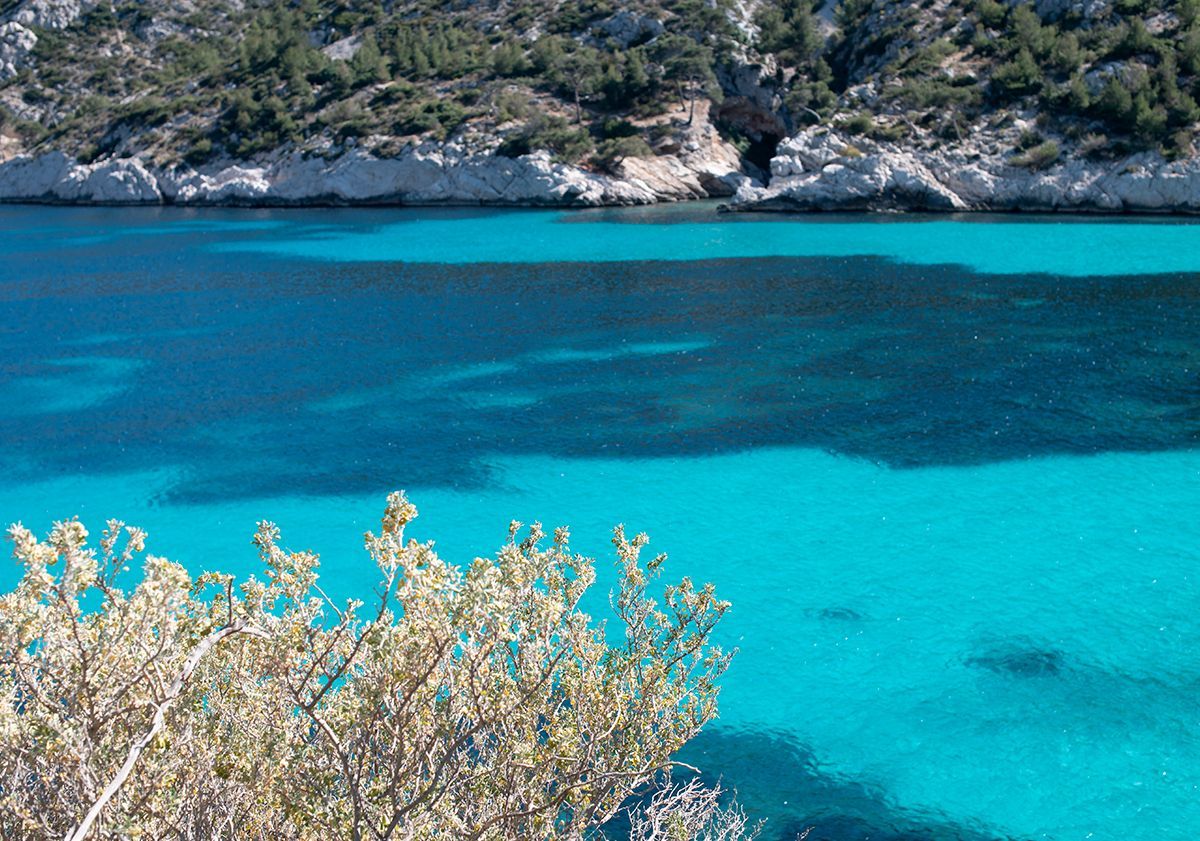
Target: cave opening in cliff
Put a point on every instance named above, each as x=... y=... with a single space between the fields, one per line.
x=762 y=150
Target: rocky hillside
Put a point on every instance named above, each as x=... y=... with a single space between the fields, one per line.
x=942 y=104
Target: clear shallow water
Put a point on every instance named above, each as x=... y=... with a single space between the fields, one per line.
x=954 y=502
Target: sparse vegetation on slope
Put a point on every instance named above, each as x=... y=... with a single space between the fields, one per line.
x=587 y=80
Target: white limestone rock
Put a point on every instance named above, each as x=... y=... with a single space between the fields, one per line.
x=819 y=169
x=344 y=49
x=17 y=39
x=122 y=181
x=233 y=184
x=16 y=43
x=665 y=176
x=459 y=172
x=627 y=27
x=741 y=14
x=1086 y=9
x=427 y=174
x=50 y=14
x=463 y=170
x=54 y=177
x=814 y=170
x=33 y=178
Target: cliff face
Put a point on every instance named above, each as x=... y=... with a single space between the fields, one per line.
x=825 y=170
x=811 y=172
x=775 y=104
x=428 y=174
x=466 y=171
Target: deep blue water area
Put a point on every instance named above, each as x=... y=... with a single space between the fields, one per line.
x=946 y=469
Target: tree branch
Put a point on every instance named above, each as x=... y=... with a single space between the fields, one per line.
x=160 y=716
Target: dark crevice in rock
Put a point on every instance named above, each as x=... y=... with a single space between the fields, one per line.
x=761 y=151
x=756 y=125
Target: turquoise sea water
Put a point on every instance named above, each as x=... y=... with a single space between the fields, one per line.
x=947 y=470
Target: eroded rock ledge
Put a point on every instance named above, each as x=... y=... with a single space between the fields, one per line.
x=425 y=174
x=815 y=170
x=823 y=169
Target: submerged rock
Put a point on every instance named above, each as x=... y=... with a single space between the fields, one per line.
x=1020 y=659
x=840 y=614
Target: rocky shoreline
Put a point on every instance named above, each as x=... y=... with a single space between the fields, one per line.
x=820 y=169
x=815 y=170
x=699 y=164
x=868 y=155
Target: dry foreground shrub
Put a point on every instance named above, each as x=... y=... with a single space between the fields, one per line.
x=473 y=703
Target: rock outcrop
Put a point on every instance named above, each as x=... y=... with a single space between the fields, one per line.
x=50 y=14
x=16 y=43
x=425 y=174
x=56 y=177
x=627 y=27
x=692 y=161
x=820 y=169
x=17 y=38
x=814 y=170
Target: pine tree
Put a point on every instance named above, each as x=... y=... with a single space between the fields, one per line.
x=368 y=66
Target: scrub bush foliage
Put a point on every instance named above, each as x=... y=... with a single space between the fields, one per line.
x=1037 y=157
x=476 y=702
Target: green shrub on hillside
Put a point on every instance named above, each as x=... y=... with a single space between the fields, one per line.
x=1018 y=77
x=439 y=117
x=611 y=152
x=1037 y=157
x=548 y=133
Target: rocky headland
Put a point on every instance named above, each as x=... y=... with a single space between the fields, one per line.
x=796 y=105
